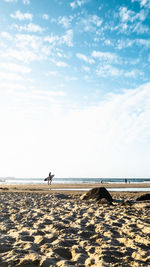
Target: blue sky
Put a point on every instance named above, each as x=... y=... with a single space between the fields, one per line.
x=75 y=88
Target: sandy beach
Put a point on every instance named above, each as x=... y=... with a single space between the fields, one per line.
x=43 y=227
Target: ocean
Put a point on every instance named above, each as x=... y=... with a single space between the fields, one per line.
x=13 y=180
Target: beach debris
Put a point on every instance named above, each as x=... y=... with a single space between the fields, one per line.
x=143 y=197
x=98 y=193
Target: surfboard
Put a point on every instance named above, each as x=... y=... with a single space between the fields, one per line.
x=49 y=177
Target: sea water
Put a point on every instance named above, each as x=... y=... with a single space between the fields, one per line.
x=13 y=180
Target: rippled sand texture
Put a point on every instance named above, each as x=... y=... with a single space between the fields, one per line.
x=62 y=230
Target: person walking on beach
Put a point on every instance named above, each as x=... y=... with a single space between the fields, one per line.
x=49 y=178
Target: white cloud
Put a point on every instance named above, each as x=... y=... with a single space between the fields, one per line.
x=61 y=64
x=116 y=131
x=51 y=73
x=140 y=28
x=96 y=20
x=21 y=89
x=31 y=27
x=28 y=41
x=11 y=1
x=60 y=40
x=143 y=3
x=143 y=42
x=6 y=35
x=50 y=93
x=70 y=78
x=132 y=21
x=22 y=16
x=53 y=39
x=85 y=58
x=45 y=16
x=124 y=43
x=127 y=28
x=127 y=15
x=25 y=2
x=107 y=70
x=65 y=21
x=48 y=96
x=24 y=55
x=107 y=42
x=31 y=47
x=14 y=86
x=59 y=54
x=15 y=67
x=132 y=73
x=86 y=69
x=107 y=56
x=78 y=3
x=68 y=38
x=27 y=48
x=142 y=14
x=133 y=108
x=2 y=45
x=10 y=76
x=90 y=23
x=112 y=131
x=122 y=118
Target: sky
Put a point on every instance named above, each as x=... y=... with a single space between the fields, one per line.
x=75 y=88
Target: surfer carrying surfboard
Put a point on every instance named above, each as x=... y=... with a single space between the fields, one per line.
x=49 y=178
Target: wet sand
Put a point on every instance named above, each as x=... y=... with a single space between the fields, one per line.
x=41 y=227
x=77 y=187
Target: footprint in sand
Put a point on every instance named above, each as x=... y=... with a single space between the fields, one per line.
x=64 y=253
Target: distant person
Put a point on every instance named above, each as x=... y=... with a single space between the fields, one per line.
x=125 y=181
x=101 y=180
x=49 y=178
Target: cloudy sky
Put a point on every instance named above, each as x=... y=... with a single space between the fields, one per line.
x=75 y=88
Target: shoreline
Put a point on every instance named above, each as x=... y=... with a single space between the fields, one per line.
x=74 y=188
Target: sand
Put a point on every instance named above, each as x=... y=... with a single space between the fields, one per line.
x=41 y=227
